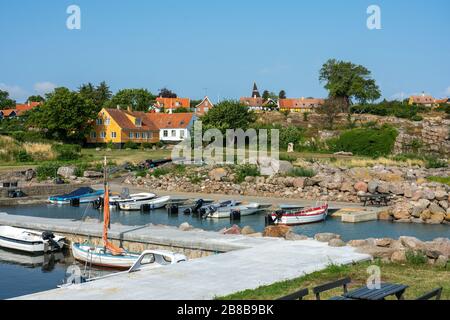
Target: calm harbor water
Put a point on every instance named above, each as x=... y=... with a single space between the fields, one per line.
x=21 y=274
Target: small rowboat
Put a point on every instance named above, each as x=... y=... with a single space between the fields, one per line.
x=29 y=240
x=240 y=210
x=118 y=200
x=299 y=216
x=145 y=205
x=98 y=256
x=84 y=195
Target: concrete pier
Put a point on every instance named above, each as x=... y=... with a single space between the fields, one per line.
x=267 y=261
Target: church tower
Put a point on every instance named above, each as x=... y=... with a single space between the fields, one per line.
x=255 y=93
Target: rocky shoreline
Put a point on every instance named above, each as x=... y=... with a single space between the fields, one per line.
x=414 y=198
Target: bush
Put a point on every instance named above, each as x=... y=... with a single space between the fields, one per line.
x=301 y=172
x=159 y=172
x=392 y=108
x=245 y=170
x=22 y=156
x=416 y=258
x=67 y=152
x=435 y=163
x=291 y=134
x=287 y=157
x=147 y=145
x=131 y=145
x=372 y=142
x=47 y=170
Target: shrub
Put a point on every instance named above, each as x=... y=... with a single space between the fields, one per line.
x=47 y=170
x=131 y=145
x=443 y=180
x=141 y=173
x=301 y=172
x=287 y=157
x=67 y=152
x=372 y=142
x=159 y=172
x=22 y=156
x=291 y=134
x=416 y=258
x=245 y=170
x=147 y=145
x=435 y=163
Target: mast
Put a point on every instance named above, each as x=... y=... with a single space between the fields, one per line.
x=106 y=217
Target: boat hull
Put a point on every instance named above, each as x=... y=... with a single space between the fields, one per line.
x=153 y=204
x=97 y=257
x=307 y=216
x=26 y=240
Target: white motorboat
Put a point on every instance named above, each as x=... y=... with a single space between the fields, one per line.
x=137 y=197
x=237 y=211
x=81 y=195
x=29 y=240
x=147 y=260
x=146 y=205
x=300 y=216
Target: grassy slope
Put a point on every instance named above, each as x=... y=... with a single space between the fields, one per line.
x=420 y=278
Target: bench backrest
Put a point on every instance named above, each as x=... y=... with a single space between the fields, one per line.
x=433 y=294
x=332 y=285
x=296 y=296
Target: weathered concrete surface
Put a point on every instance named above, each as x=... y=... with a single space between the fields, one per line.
x=149 y=234
x=356 y=217
x=214 y=276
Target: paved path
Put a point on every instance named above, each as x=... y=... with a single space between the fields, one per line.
x=213 y=276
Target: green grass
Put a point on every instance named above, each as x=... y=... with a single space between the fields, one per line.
x=301 y=172
x=443 y=180
x=421 y=278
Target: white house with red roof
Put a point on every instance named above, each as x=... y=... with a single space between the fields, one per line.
x=173 y=127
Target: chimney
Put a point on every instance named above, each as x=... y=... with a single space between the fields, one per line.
x=130 y=109
x=118 y=107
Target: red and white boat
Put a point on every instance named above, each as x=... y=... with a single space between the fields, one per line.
x=300 y=216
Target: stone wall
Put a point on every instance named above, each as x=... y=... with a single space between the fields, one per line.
x=45 y=190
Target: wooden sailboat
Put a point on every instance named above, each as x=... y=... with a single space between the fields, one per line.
x=107 y=255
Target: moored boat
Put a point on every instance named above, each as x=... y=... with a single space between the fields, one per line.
x=29 y=240
x=130 y=198
x=82 y=195
x=146 y=205
x=299 y=216
x=236 y=211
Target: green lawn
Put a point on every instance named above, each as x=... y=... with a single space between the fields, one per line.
x=420 y=279
x=121 y=156
x=443 y=180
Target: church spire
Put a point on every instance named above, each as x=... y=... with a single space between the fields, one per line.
x=255 y=93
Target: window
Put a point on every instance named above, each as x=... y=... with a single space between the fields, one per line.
x=137 y=135
x=103 y=135
x=138 y=122
x=165 y=133
x=150 y=135
x=107 y=121
x=113 y=135
x=131 y=135
x=93 y=134
x=144 y=135
x=99 y=122
x=205 y=109
x=182 y=134
x=174 y=133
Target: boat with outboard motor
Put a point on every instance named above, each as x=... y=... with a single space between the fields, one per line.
x=80 y=195
x=235 y=212
x=29 y=240
x=145 y=205
x=294 y=217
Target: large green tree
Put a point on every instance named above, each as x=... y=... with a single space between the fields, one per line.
x=138 y=99
x=99 y=95
x=5 y=101
x=348 y=81
x=65 y=115
x=35 y=98
x=228 y=115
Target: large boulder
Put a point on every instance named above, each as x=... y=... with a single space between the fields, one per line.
x=234 y=230
x=30 y=174
x=336 y=243
x=428 y=194
x=362 y=243
x=66 y=172
x=291 y=236
x=185 y=227
x=361 y=186
x=412 y=243
x=93 y=174
x=299 y=182
x=247 y=230
x=279 y=231
x=326 y=237
x=373 y=186
x=441 y=195
x=401 y=211
x=399 y=256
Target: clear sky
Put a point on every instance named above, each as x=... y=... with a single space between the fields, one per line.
x=191 y=45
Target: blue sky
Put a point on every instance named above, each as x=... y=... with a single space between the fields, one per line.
x=222 y=45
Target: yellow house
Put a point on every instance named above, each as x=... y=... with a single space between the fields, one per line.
x=120 y=126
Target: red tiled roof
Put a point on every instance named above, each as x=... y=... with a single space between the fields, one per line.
x=173 y=103
x=423 y=99
x=252 y=102
x=125 y=123
x=166 y=121
x=8 y=112
x=300 y=103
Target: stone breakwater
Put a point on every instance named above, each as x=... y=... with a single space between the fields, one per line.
x=414 y=198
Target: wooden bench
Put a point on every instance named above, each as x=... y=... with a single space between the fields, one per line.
x=433 y=294
x=376 y=199
x=333 y=285
x=299 y=295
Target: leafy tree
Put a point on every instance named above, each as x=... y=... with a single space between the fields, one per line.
x=194 y=103
x=5 y=101
x=266 y=95
x=36 y=98
x=138 y=99
x=181 y=110
x=166 y=93
x=99 y=95
x=349 y=81
x=282 y=94
x=228 y=115
x=330 y=109
x=65 y=115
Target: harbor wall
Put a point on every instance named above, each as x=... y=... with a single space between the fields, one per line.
x=44 y=190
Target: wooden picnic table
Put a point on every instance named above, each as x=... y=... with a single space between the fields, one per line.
x=386 y=290
x=376 y=199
